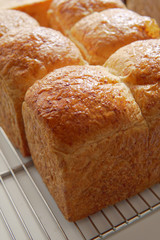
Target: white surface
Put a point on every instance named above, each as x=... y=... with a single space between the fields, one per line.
x=147 y=228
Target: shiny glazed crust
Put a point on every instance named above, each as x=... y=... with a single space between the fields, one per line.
x=25 y=56
x=87 y=137
x=100 y=34
x=10 y=19
x=63 y=14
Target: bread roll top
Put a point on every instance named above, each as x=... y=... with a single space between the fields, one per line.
x=10 y=19
x=100 y=34
x=63 y=14
x=82 y=104
x=29 y=54
x=139 y=63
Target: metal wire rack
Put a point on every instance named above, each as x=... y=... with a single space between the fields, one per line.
x=27 y=211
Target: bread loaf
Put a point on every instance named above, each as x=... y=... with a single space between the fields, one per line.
x=35 y=8
x=28 y=54
x=94 y=132
x=10 y=19
x=63 y=14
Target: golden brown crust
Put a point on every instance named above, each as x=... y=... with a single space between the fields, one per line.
x=10 y=120
x=27 y=55
x=35 y=8
x=95 y=136
x=63 y=14
x=139 y=66
x=80 y=103
x=10 y=19
x=100 y=34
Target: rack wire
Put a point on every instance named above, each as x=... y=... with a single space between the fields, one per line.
x=27 y=211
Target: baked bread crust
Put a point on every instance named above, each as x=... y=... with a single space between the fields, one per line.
x=35 y=8
x=25 y=56
x=87 y=137
x=139 y=64
x=63 y=14
x=100 y=34
x=10 y=19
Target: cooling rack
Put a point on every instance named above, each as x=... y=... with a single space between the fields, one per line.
x=27 y=211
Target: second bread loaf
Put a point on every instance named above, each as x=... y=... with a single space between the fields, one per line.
x=28 y=54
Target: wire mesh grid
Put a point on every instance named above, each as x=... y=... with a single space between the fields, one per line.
x=27 y=211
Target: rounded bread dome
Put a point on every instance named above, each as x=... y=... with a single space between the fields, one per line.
x=26 y=55
x=10 y=19
x=63 y=14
